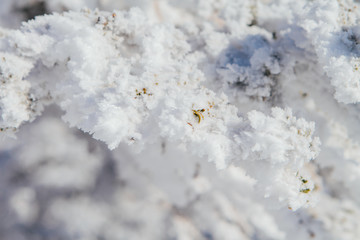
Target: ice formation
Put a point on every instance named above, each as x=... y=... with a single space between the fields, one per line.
x=190 y=119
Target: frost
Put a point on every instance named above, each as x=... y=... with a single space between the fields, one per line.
x=280 y=146
x=179 y=119
x=332 y=33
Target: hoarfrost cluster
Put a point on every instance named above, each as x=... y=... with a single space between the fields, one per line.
x=179 y=119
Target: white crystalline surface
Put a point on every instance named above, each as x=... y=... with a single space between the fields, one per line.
x=179 y=119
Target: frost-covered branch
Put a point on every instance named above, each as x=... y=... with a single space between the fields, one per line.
x=124 y=80
x=206 y=115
